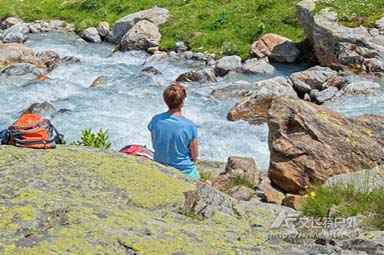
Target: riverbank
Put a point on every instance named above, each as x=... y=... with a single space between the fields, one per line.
x=222 y=28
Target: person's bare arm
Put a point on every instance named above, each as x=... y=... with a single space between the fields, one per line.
x=194 y=147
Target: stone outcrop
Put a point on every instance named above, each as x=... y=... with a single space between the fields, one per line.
x=310 y=143
x=11 y=21
x=151 y=70
x=358 y=49
x=44 y=109
x=254 y=107
x=360 y=88
x=49 y=58
x=294 y=201
x=91 y=34
x=257 y=66
x=237 y=90
x=103 y=29
x=204 y=75
x=21 y=71
x=16 y=34
x=141 y=36
x=99 y=82
x=116 y=204
x=275 y=47
x=227 y=64
x=319 y=84
x=156 y=16
x=13 y=53
x=371 y=179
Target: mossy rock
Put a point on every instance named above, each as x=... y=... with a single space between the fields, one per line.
x=77 y=200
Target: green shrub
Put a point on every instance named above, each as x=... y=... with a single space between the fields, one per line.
x=204 y=176
x=241 y=180
x=89 y=139
x=348 y=200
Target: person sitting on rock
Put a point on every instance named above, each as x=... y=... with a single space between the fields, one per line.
x=174 y=137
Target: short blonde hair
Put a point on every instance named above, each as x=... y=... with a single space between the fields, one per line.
x=174 y=95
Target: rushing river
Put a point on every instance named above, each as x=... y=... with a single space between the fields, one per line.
x=131 y=98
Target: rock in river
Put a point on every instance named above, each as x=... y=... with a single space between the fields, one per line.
x=44 y=109
x=257 y=66
x=91 y=35
x=277 y=48
x=254 y=108
x=156 y=16
x=310 y=143
x=227 y=64
x=141 y=36
x=13 y=53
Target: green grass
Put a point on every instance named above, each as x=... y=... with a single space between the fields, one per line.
x=348 y=201
x=355 y=13
x=241 y=180
x=222 y=27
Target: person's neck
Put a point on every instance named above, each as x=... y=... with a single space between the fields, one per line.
x=175 y=112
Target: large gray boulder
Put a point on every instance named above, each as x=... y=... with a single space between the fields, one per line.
x=257 y=66
x=237 y=90
x=276 y=47
x=227 y=64
x=365 y=180
x=44 y=109
x=21 y=73
x=350 y=49
x=156 y=15
x=254 y=107
x=22 y=69
x=49 y=58
x=141 y=36
x=359 y=88
x=103 y=29
x=16 y=34
x=13 y=37
x=11 y=21
x=312 y=78
x=326 y=95
x=91 y=34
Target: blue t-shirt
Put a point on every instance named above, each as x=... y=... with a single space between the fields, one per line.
x=172 y=136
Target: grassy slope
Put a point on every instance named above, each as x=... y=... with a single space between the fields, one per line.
x=355 y=13
x=237 y=22
x=224 y=26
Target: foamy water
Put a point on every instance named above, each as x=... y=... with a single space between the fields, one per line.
x=131 y=98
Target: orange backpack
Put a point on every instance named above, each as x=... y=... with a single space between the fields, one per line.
x=33 y=131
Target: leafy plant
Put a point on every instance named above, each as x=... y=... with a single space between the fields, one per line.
x=349 y=200
x=204 y=175
x=98 y=140
x=241 y=180
x=231 y=48
x=89 y=5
